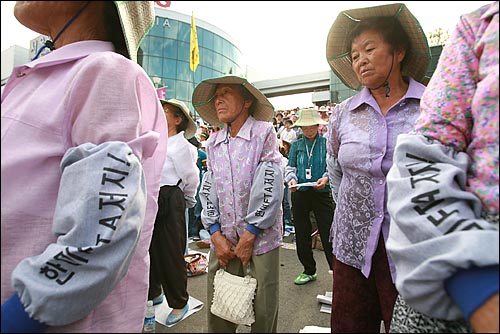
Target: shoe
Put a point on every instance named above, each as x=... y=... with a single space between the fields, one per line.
x=304 y=278
x=158 y=300
x=204 y=235
x=172 y=319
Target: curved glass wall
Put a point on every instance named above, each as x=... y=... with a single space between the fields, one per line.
x=164 y=55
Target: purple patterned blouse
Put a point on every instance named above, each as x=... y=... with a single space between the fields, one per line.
x=234 y=182
x=362 y=142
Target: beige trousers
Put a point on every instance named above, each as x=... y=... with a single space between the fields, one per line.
x=265 y=268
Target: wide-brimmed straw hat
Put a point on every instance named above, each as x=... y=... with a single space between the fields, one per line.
x=136 y=18
x=308 y=117
x=191 y=128
x=338 y=43
x=204 y=94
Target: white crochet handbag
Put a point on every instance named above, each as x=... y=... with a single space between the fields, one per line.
x=233 y=297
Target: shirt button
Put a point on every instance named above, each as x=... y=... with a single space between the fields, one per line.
x=381 y=182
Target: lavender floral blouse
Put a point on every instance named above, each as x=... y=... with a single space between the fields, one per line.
x=361 y=141
x=243 y=186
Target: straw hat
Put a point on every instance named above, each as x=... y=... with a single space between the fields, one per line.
x=308 y=117
x=204 y=94
x=191 y=127
x=136 y=18
x=337 y=43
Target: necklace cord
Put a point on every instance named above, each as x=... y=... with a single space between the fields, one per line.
x=50 y=44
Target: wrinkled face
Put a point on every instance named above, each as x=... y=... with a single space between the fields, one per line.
x=310 y=131
x=172 y=119
x=229 y=103
x=372 y=58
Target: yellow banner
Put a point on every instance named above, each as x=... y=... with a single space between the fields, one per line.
x=194 y=58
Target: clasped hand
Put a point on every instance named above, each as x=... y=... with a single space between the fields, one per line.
x=225 y=250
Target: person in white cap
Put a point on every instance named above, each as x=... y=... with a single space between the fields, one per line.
x=307 y=164
x=83 y=144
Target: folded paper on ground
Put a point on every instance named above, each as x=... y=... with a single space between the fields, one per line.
x=163 y=310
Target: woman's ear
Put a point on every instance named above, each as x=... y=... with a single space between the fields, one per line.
x=248 y=103
x=178 y=120
x=400 y=54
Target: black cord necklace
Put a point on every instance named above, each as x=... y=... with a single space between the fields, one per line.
x=385 y=83
x=51 y=44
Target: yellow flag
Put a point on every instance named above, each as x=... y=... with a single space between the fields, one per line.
x=194 y=56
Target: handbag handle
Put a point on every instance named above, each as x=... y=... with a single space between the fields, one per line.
x=247 y=270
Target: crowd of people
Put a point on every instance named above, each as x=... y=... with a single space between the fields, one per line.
x=103 y=182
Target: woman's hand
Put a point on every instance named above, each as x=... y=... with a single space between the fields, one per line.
x=485 y=318
x=244 y=248
x=224 y=249
x=291 y=183
x=321 y=183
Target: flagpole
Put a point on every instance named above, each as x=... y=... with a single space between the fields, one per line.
x=194 y=57
x=194 y=86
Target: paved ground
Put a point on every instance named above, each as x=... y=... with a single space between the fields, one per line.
x=298 y=304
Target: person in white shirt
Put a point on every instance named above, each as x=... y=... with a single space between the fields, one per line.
x=288 y=133
x=178 y=186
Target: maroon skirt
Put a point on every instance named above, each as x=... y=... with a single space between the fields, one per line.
x=359 y=303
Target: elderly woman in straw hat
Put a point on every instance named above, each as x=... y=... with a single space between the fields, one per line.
x=83 y=142
x=383 y=52
x=241 y=193
x=178 y=186
x=307 y=163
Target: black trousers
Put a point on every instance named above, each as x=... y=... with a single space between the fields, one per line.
x=168 y=244
x=323 y=206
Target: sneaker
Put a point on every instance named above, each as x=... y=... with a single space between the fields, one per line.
x=304 y=278
x=204 y=235
x=158 y=300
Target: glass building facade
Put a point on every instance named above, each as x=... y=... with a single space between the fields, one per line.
x=164 y=54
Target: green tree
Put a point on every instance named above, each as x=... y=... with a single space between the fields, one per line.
x=438 y=37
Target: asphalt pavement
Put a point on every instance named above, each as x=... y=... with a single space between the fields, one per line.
x=298 y=303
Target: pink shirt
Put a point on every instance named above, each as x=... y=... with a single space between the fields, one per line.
x=79 y=93
x=460 y=104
